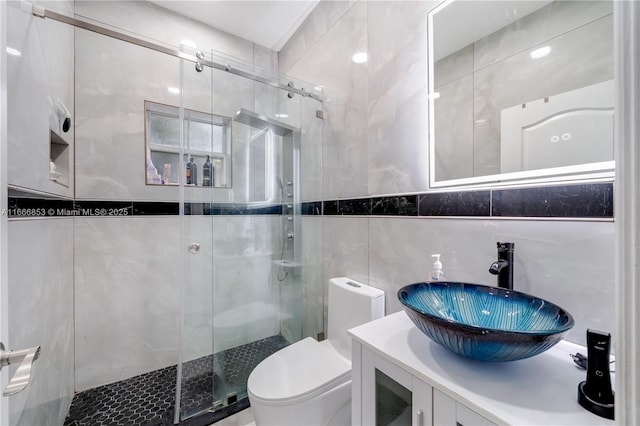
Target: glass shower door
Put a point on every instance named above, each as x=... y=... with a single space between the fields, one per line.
x=244 y=296
x=254 y=234
x=203 y=144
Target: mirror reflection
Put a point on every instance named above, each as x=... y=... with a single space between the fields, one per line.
x=526 y=90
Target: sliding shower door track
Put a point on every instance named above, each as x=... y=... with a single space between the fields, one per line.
x=44 y=13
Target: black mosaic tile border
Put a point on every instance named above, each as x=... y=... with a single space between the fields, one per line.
x=330 y=207
x=39 y=207
x=227 y=209
x=23 y=206
x=404 y=205
x=147 y=208
x=355 y=206
x=577 y=201
x=311 y=208
x=103 y=208
x=463 y=203
x=587 y=201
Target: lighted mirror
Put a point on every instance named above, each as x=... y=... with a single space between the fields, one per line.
x=520 y=91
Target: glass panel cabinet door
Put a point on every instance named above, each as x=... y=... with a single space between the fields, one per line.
x=392 y=396
x=393 y=401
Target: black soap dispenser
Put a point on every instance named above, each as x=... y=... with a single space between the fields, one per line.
x=595 y=394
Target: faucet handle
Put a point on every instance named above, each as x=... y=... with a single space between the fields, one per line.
x=505 y=246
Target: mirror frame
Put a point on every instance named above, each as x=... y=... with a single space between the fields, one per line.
x=601 y=171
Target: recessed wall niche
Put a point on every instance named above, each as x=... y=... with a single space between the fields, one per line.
x=58 y=159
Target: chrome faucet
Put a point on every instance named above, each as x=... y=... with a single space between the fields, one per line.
x=503 y=267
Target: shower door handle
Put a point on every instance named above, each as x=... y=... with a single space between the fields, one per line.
x=21 y=378
x=194 y=248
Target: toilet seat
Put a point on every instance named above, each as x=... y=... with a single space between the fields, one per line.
x=298 y=372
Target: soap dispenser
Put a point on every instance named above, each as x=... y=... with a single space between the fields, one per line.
x=436 y=273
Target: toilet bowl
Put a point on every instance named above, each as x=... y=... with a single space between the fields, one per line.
x=309 y=382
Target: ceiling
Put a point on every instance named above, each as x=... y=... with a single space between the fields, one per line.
x=269 y=23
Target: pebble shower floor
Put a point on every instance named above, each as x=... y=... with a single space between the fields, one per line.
x=149 y=399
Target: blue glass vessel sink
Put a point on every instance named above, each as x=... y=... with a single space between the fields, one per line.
x=483 y=322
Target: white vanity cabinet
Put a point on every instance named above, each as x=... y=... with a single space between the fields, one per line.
x=401 y=377
x=389 y=395
x=449 y=412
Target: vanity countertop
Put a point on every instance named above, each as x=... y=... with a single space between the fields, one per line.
x=541 y=390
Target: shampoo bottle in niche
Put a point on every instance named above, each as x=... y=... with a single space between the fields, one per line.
x=192 y=172
x=206 y=172
x=152 y=173
x=436 y=273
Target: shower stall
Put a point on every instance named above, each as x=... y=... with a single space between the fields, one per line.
x=243 y=288
x=186 y=181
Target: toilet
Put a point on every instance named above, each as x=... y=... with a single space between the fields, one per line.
x=309 y=382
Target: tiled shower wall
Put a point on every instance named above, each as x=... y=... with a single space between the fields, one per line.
x=127 y=269
x=376 y=144
x=40 y=251
x=128 y=291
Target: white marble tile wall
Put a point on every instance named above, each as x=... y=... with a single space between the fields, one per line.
x=346 y=251
x=311 y=144
x=127 y=288
x=111 y=119
x=320 y=20
x=40 y=277
x=140 y=257
x=196 y=286
x=564 y=261
x=567 y=263
x=312 y=276
x=113 y=79
x=38 y=79
x=329 y=63
x=397 y=105
x=230 y=288
x=40 y=256
x=246 y=295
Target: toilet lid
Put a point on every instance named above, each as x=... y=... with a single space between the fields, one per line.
x=304 y=369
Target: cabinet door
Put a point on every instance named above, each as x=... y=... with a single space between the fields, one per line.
x=448 y=412
x=392 y=396
x=422 y=403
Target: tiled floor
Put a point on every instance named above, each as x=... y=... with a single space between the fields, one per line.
x=232 y=368
x=148 y=399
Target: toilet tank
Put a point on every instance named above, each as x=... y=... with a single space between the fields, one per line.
x=350 y=304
